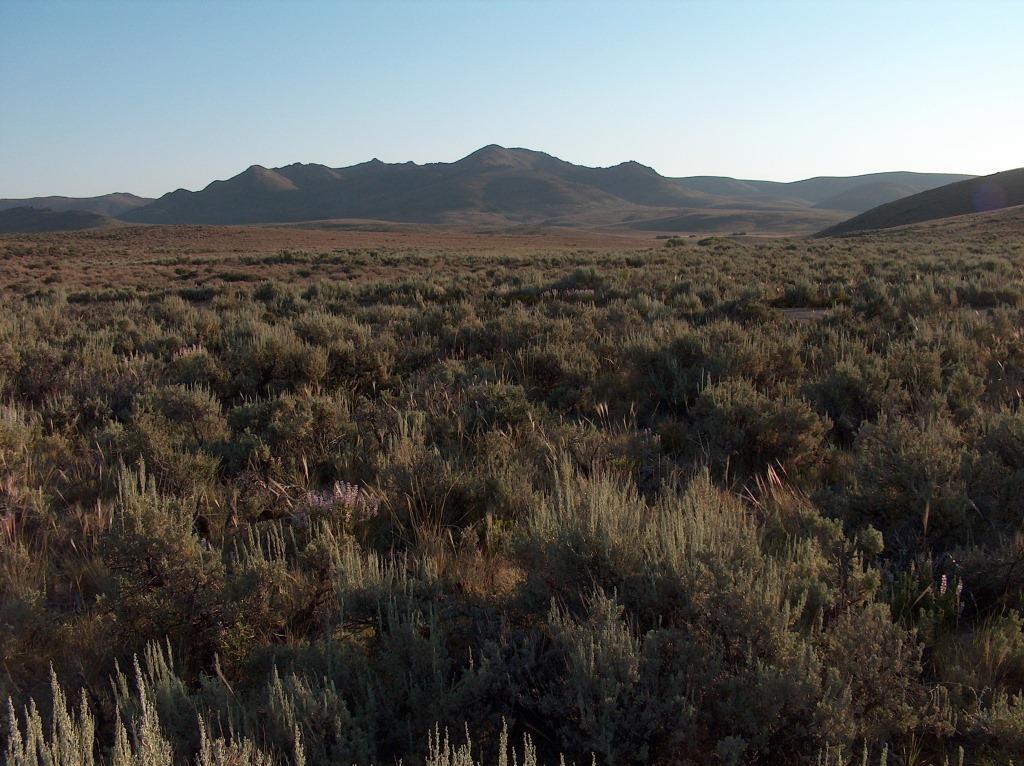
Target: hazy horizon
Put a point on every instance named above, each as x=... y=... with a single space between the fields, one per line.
x=146 y=98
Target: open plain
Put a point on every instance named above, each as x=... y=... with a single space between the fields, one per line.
x=653 y=499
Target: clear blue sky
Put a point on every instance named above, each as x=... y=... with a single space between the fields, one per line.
x=151 y=96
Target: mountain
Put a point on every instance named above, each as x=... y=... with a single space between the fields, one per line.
x=519 y=185
x=111 y=205
x=32 y=219
x=981 y=194
x=725 y=186
x=500 y=186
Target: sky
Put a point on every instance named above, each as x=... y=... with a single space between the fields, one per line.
x=150 y=96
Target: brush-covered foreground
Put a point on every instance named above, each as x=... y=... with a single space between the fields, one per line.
x=702 y=503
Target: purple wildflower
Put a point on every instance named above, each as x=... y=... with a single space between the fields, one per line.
x=352 y=501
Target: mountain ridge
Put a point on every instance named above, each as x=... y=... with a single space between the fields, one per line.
x=515 y=185
x=27 y=220
x=499 y=186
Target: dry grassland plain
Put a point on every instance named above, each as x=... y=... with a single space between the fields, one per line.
x=672 y=501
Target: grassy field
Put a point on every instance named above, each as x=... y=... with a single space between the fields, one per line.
x=320 y=496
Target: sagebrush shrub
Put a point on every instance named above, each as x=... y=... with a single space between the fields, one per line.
x=600 y=503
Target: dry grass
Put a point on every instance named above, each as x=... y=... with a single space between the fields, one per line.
x=144 y=257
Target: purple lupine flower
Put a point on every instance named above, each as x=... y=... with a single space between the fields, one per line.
x=352 y=501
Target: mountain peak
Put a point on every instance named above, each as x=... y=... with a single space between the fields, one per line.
x=490 y=149
x=300 y=173
x=265 y=178
x=635 y=166
x=493 y=155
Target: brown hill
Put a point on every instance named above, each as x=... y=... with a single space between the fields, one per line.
x=31 y=219
x=867 y=196
x=856 y=193
x=985 y=226
x=993 y=192
x=111 y=205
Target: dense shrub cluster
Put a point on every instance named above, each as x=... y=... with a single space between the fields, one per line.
x=713 y=503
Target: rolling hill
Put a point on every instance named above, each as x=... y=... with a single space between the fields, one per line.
x=498 y=186
x=985 y=193
x=853 y=193
x=1005 y=222
x=112 y=205
x=31 y=219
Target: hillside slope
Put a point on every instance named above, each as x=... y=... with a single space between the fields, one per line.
x=853 y=193
x=31 y=219
x=986 y=226
x=112 y=205
x=981 y=194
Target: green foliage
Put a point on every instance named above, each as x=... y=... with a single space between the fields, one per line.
x=165 y=582
x=745 y=432
x=907 y=480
